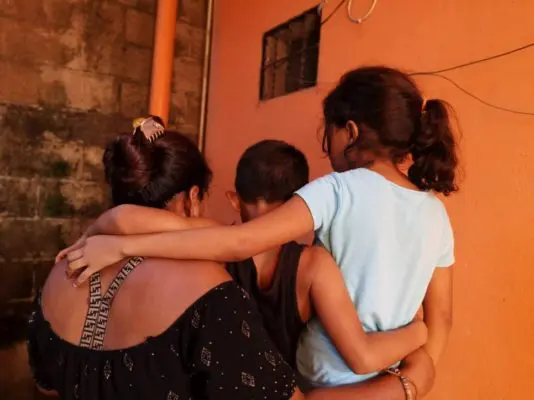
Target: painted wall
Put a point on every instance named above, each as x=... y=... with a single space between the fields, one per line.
x=491 y=349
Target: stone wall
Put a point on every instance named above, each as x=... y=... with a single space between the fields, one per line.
x=72 y=74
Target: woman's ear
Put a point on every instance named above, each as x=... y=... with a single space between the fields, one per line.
x=194 y=201
x=233 y=198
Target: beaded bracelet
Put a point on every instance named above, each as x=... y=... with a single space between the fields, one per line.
x=407 y=383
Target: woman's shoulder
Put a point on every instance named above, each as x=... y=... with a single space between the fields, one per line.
x=184 y=272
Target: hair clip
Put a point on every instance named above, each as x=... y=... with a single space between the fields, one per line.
x=151 y=129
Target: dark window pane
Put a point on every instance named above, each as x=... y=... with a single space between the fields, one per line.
x=291 y=56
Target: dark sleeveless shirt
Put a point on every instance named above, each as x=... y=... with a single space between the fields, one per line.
x=278 y=303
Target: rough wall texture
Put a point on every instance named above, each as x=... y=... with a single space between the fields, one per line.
x=73 y=73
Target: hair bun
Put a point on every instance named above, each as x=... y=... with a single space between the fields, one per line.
x=150 y=174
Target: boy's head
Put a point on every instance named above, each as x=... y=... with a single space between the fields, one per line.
x=268 y=173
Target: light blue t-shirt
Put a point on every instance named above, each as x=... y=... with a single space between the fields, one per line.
x=387 y=240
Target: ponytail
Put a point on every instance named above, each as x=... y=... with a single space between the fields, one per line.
x=434 y=151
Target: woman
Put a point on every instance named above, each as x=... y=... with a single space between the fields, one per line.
x=162 y=329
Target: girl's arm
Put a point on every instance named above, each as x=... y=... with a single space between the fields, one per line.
x=363 y=352
x=291 y=220
x=437 y=308
x=129 y=219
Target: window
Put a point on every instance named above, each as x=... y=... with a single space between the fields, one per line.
x=291 y=56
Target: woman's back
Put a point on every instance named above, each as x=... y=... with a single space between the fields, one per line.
x=151 y=298
x=176 y=330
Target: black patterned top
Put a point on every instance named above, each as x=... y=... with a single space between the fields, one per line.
x=217 y=349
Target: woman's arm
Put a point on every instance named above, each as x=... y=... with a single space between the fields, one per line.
x=363 y=352
x=290 y=221
x=437 y=308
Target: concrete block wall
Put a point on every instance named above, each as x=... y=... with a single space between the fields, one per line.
x=72 y=74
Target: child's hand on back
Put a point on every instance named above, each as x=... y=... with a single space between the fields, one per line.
x=95 y=254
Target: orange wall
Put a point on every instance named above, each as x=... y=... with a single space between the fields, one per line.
x=491 y=353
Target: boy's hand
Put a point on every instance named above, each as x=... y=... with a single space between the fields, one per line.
x=95 y=254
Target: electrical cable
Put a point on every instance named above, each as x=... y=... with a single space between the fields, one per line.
x=482 y=60
x=367 y=15
x=327 y=18
x=468 y=93
x=436 y=73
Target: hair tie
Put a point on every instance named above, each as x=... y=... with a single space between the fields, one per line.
x=151 y=129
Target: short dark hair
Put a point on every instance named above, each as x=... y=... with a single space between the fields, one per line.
x=271 y=170
x=151 y=173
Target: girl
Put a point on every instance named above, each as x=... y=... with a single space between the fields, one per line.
x=386 y=230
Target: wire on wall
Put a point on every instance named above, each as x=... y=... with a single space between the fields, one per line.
x=436 y=73
x=334 y=11
x=482 y=60
x=439 y=74
x=349 y=11
x=468 y=93
x=361 y=19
